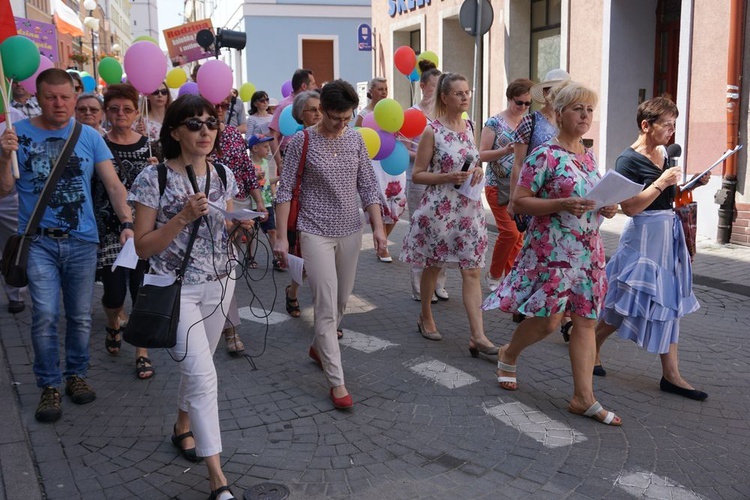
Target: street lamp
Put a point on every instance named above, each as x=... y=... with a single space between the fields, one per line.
x=93 y=24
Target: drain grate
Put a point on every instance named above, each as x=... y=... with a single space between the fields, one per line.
x=267 y=491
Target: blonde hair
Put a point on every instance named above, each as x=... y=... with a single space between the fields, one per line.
x=373 y=83
x=568 y=92
x=444 y=84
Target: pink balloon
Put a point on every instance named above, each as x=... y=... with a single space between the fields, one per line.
x=215 y=81
x=146 y=66
x=369 y=122
x=387 y=145
x=30 y=83
x=286 y=88
x=188 y=88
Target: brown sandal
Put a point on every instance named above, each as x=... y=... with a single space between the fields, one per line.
x=292 y=305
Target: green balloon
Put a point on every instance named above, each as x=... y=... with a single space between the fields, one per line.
x=20 y=57
x=146 y=38
x=110 y=70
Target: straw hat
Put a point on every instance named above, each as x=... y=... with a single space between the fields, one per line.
x=552 y=77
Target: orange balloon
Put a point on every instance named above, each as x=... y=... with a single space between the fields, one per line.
x=414 y=123
x=405 y=59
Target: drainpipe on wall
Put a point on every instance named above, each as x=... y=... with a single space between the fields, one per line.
x=725 y=196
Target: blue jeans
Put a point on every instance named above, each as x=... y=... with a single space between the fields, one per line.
x=67 y=264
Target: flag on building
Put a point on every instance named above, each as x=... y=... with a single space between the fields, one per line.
x=66 y=19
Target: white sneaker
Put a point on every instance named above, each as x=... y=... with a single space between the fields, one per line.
x=416 y=297
x=442 y=294
x=492 y=282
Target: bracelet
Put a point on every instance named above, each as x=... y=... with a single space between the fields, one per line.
x=657 y=187
x=126 y=225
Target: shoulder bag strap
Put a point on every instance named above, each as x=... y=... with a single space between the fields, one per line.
x=194 y=233
x=302 y=161
x=54 y=176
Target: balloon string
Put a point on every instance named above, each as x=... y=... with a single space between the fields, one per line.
x=144 y=118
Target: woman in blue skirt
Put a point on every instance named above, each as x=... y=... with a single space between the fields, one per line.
x=650 y=275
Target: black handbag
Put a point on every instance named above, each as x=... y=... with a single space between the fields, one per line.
x=16 y=250
x=156 y=312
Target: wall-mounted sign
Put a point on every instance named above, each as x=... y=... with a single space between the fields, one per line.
x=364 y=37
x=405 y=6
x=42 y=34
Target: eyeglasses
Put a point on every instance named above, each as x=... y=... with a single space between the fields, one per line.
x=115 y=110
x=222 y=105
x=314 y=110
x=262 y=99
x=339 y=119
x=194 y=124
x=160 y=91
x=671 y=125
x=523 y=103
x=88 y=110
x=465 y=93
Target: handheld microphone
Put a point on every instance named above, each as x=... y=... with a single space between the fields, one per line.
x=674 y=151
x=467 y=164
x=191 y=177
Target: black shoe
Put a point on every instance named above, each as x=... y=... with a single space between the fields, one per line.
x=187 y=453
x=218 y=491
x=49 y=409
x=79 y=391
x=599 y=371
x=16 y=306
x=667 y=386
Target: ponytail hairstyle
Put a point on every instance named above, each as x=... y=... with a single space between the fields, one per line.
x=444 y=85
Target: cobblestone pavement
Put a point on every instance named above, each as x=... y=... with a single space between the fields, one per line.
x=429 y=421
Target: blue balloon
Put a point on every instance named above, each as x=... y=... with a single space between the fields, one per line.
x=89 y=84
x=396 y=162
x=287 y=124
x=414 y=75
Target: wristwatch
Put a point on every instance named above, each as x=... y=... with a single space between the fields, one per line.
x=126 y=225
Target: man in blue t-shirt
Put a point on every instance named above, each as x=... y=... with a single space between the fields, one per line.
x=62 y=256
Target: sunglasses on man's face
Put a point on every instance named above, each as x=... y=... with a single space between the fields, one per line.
x=160 y=91
x=194 y=124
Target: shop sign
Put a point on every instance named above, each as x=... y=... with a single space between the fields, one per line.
x=404 y=6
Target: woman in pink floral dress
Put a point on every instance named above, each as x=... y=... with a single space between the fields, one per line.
x=561 y=265
x=448 y=229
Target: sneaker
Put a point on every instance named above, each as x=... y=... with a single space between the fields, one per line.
x=493 y=283
x=442 y=294
x=79 y=391
x=49 y=409
x=418 y=298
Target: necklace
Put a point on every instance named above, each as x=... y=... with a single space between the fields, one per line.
x=575 y=150
x=331 y=142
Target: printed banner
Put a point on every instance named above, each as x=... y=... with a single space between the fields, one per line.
x=43 y=35
x=181 y=43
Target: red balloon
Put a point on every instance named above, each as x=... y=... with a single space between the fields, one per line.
x=405 y=59
x=414 y=123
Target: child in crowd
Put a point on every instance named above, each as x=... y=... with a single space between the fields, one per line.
x=268 y=177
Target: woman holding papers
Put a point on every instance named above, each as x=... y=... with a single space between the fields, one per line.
x=561 y=265
x=164 y=221
x=650 y=272
x=336 y=174
x=131 y=156
x=448 y=228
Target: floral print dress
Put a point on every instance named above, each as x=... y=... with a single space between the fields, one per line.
x=561 y=264
x=447 y=228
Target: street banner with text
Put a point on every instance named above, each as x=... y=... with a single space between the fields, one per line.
x=43 y=35
x=181 y=43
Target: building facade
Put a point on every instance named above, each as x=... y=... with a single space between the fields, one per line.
x=626 y=50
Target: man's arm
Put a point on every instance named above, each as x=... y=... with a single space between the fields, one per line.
x=8 y=144
x=117 y=196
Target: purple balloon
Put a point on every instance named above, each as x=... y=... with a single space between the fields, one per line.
x=188 y=88
x=286 y=88
x=387 y=144
x=369 y=122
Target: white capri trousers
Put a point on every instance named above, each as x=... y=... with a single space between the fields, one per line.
x=202 y=315
x=331 y=265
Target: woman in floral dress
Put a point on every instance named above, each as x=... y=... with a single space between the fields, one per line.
x=561 y=265
x=448 y=229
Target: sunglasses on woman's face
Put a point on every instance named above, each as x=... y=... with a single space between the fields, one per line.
x=262 y=99
x=522 y=103
x=160 y=91
x=222 y=105
x=194 y=124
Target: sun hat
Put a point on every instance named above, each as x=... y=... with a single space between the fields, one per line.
x=257 y=139
x=552 y=77
x=272 y=102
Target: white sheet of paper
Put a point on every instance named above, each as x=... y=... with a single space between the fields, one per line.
x=612 y=189
x=127 y=256
x=472 y=192
x=727 y=154
x=157 y=280
x=241 y=214
x=295 y=266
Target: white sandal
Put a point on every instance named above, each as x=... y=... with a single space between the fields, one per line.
x=594 y=410
x=512 y=380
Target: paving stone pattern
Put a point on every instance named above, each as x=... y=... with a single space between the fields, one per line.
x=408 y=436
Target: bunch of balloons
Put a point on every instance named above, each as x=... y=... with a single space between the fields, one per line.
x=406 y=61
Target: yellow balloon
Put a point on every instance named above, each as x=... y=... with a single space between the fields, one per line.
x=389 y=115
x=465 y=115
x=429 y=56
x=247 y=90
x=176 y=78
x=372 y=140
x=146 y=38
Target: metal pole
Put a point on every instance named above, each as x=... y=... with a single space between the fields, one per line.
x=476 y=113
